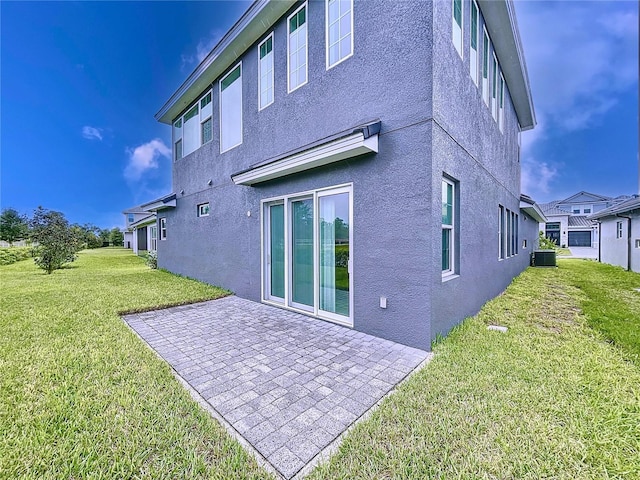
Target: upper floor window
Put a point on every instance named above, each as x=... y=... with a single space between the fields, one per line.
x=130 y=218
x=231 y=109
x=494 y=88
x=339 y=14
x=501 y=87
x=448 y=226
x=485 y=66
x=297 y=49
x=473 y=48
x=265 y=73
x=456 y=23
x=194 y=128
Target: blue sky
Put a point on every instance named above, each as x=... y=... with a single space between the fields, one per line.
x=81 y=81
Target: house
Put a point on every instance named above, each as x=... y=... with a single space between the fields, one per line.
x=568 y=220
x=142 y=228
x=620 y=234
x=355 y=161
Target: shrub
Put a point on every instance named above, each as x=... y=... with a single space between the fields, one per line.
x=152 y=259
x=11 y=255
x=57 y=242
x=545 y=243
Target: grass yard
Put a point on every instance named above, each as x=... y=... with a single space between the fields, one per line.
x=551 y=398
x=557 y=396
x=81 y=396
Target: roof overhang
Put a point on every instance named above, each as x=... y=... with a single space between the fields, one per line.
x=168 y=201
x=360 y=141
x=260 y=16
x=532 y=209
x=503 y=29
x=144 y=221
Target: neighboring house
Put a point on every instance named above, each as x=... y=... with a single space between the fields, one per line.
x=620 y=234
x=143 y=230
x=356 y=161
x=568 y=220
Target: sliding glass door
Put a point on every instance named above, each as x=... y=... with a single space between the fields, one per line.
x=307 y=253
x=334 y=253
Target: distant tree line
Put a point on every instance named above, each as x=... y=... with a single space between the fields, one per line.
x=54 y=240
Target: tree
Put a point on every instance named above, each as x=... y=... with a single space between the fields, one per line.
x=87 y=235
x=57 y=241
x=104 y=235
x=13 y=226
x=117 y=237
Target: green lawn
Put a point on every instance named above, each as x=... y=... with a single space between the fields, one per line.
x=81 y=396
x=551 y=398
x=554 y=397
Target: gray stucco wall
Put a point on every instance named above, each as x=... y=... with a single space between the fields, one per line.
x=396 y=192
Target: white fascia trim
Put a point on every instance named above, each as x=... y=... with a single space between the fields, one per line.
x=160 y=205
x=534 y=212
x=343 y=148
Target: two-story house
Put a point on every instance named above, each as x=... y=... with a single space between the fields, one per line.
x=355 y=161
x=568 y=221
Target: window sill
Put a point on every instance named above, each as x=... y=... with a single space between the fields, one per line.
x=449 y=276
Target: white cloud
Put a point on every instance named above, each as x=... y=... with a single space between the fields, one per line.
x=578 y=58
x=92 y=133
x=144 y=158
x=536 y=177
x=203 y=48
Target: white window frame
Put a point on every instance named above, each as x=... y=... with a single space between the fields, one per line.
x=180 y=139
x=273 y=86
x=203 y=209
x=474 y=55
x=501 y=233
x=340 y=60
x=177 y=139
x=287 y=302
x=619 y=229
x=456 y=30
x=452 y=229
x=206 y=118
x=239 y=79
x=153 y=233
x=485 y=58
x=501 y=88
x=495 y=70
x=163 y=228
x=306 y=65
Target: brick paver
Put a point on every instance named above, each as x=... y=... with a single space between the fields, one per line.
x=288 y=383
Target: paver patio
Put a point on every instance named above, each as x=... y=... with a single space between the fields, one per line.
x=289 y=384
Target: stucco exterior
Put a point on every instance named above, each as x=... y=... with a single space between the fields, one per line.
x=406 y=74
x=620 y=234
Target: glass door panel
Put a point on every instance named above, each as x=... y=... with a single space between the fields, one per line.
x=333 y=245
x=302 y=253
x=276 y=252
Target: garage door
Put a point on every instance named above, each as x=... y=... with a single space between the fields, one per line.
x=580 y=239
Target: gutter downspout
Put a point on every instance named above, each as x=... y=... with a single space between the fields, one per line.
x=599 y=241
x=628 y=240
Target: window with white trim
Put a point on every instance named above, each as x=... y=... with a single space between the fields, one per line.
x=177 y=139
x=206 y=119
x=339 y=25
x=619 y=229
x=494 y=87
x=486 y=47
x=163 y=228
x=297 y=49
x=203 y=209
x=448 y=226
x=508 y=232
x=194 y=128
x=231 y=109
x=501 y=87
x=501 y=232
x=265 y=73
x=456 y=24
x=473 y=47
x=154 y=237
